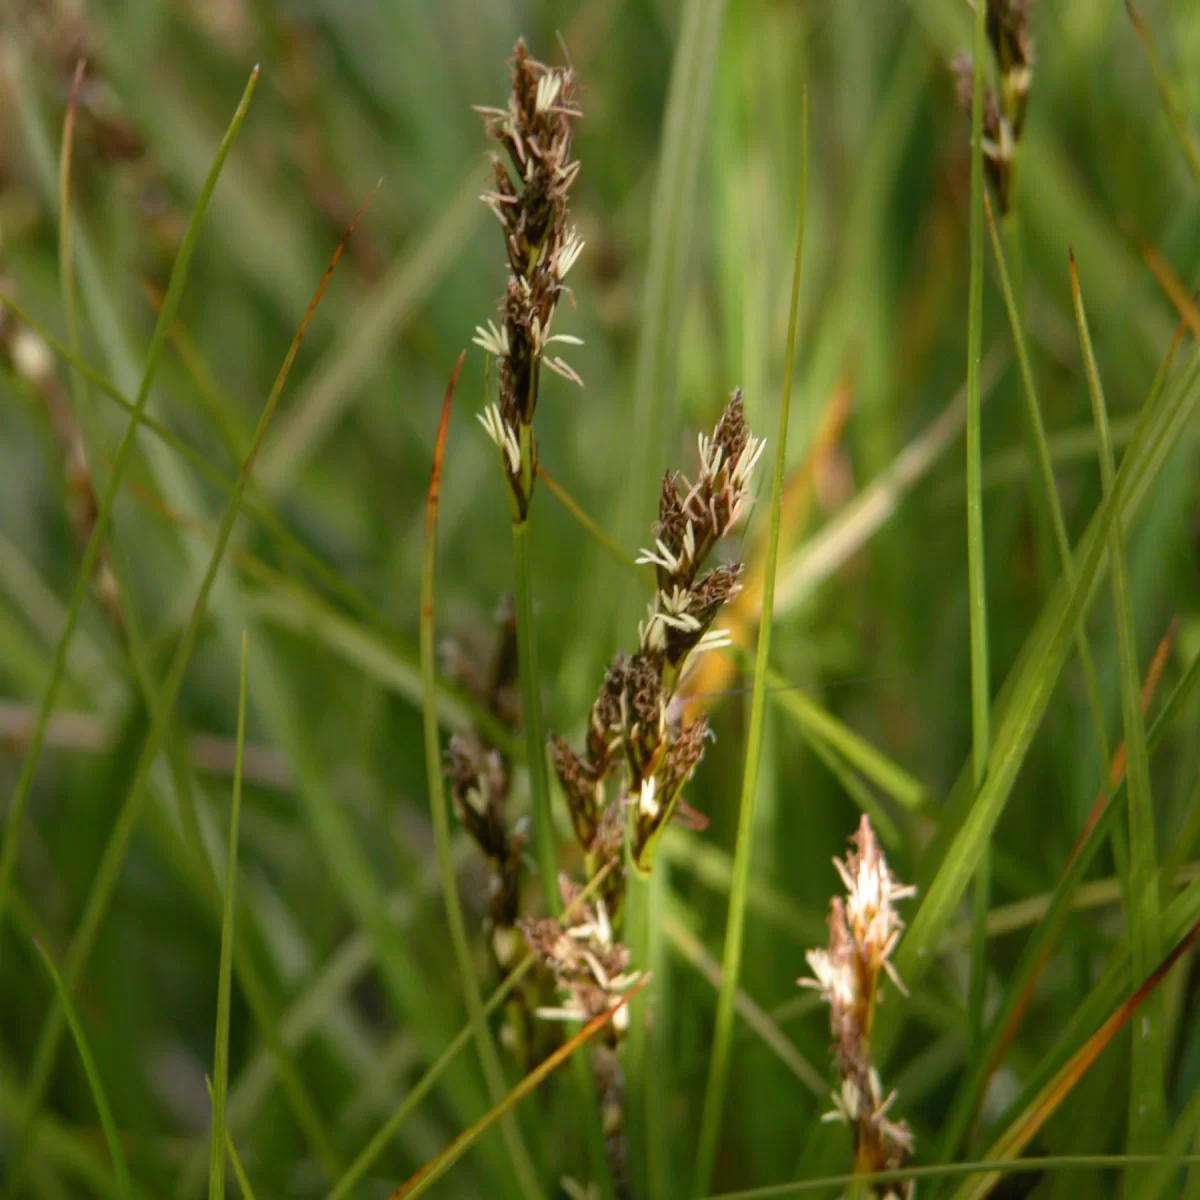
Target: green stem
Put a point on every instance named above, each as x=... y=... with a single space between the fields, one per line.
x=980 y=689
x=545 y=844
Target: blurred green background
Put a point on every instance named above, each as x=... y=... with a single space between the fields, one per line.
x=681 y=294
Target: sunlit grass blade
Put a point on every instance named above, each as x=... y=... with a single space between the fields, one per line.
x=718 y=1072
x=523 y=1166
x=1025 y=1127
x=379 y=1141
x=433 y=1171
x=179 y=273
x=1183 y=134
x=1147 y=1098
x=99 y=1097
x=216 y=1162
x=126 y=821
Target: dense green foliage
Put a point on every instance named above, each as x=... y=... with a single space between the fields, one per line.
x=345 y=985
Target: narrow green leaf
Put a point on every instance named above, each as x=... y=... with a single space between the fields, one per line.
x=493 y=1072
x=1147 y=1098
x=179 y=273
x=545 y=841
x=718 y=1073
x=99 y=1098
x=216 y=1162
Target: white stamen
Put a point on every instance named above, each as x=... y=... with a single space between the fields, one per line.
x=492 y=340
x=502 y=435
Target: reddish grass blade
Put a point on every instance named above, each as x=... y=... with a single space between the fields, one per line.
x=1172 y=287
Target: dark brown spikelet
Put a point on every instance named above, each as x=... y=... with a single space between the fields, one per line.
x=529 y=197
x=1007 y=25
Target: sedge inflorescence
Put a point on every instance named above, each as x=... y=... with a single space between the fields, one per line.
x=1007 y=25
x=529 y=198
x=633 y=733
x=863 y=931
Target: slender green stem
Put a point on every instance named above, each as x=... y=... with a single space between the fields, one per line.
x=545 y=843
x=976 y=581
x=718 y=1073
x=493 y=1072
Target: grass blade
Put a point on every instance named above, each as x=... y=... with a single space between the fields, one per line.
x=179 y=273
x=493 y=1072
x=545 y=842
x=1147 y=1099
x=433 y=1171
x=976 y=582
x=718 y=1073
x=216 y=1162
x=99 y=1098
